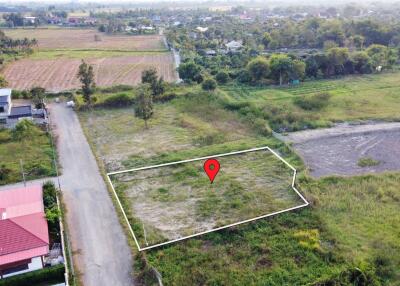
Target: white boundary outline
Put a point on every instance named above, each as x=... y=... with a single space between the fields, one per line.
x=306 y=203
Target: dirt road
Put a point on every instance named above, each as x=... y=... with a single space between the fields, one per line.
x=338 y=150
x=101 y=250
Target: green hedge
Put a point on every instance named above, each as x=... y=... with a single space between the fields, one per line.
x=43 y=276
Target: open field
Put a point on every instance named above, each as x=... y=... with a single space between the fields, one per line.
x=352 y=98
x=50 y=39
x=34 y=149
x=333 y=242
x=122 y=141
x=176 y=201
x=60 y=73
x=339 y=150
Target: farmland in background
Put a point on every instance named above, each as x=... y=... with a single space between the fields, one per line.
x=85 y=39
x=116 y=59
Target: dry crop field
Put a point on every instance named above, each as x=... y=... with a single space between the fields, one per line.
x=116 y=59
x=85 y=39
x=60 y=74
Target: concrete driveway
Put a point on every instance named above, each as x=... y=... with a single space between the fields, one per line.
x=100 y=248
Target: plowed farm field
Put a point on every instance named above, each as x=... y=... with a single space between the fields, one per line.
x=86 y=39
x=60 y=74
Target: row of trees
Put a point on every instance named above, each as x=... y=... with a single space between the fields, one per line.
x=8 y=45
x=151 y=89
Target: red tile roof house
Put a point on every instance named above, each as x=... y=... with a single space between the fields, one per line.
x=24 y=235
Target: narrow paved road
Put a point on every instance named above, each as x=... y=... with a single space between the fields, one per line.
x=102 y=254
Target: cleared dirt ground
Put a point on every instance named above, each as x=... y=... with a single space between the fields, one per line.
x=338 y=150
x=85 y=39
x=60 y=74
x=178 y=200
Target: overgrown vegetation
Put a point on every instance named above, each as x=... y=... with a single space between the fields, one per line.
x=367 y=162
x=27 y=147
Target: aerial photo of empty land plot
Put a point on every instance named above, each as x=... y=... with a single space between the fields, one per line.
x=178 y=200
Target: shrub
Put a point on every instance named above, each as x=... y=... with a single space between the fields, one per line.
x=116 y=88
x=118 y=100
x=49 y=275
x=209 y=84
x=166 y=97
x=24 y=129
x=367 y=162
x=222 y=77
x=314 y=102
x=49 y=194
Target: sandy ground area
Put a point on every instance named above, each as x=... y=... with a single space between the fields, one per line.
x=337 y=150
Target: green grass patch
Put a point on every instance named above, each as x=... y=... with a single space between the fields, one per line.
x=368 y=162
x=33 y=149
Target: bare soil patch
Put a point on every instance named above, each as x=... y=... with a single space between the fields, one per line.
x=60 y=74
x=85 y=39
x=177 y=201
x=339 y=150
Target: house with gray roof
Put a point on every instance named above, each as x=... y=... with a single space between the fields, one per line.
x=10 y=114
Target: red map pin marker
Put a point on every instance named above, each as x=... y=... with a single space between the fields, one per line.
x=211 y=167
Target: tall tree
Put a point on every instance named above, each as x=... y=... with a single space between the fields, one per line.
x=38 y=94
x=156 y=83
x=144 y=103
x=86 y=77
x=258 y=68
x=281 y=67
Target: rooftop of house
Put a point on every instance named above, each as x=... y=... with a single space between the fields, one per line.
x=23 y=226
x=21 y=111
x=6 y=92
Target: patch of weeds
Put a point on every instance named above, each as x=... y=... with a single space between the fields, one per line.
x=313 y=102
x=208 y=205
x=309 y=239
x=368 y=162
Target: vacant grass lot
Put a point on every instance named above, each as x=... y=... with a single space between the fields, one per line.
x=122 y=141
x=348 y=236
x=178 y=200
x=375 y=97
x=34 y=151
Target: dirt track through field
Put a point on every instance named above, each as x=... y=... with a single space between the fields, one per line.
x=60 y=74
x=337 y=150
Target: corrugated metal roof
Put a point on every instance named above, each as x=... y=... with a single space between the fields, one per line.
x=21 y=111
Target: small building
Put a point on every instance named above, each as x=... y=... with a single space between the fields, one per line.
x=10 y=114
x=5 y=104
x=24 y=235
x=234 y=46
x=202 y=29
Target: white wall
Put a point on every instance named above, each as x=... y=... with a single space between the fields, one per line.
x=35 y=264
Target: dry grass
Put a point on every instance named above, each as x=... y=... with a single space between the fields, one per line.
x=60 y=73
x=85 y=39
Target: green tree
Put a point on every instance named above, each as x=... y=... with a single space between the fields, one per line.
x=209 y=84
x=3 y=82
x=38 y=94
x=258 y=68
x=144 y=103
x=337 y=58
x=281 y=67
x=156 y=83
x=378 y=55
x=222 y=77
x=362 y=62
x=86 y=77
x=299 y=70
x=4 y=172
x=190 y=72
x=266 y=39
